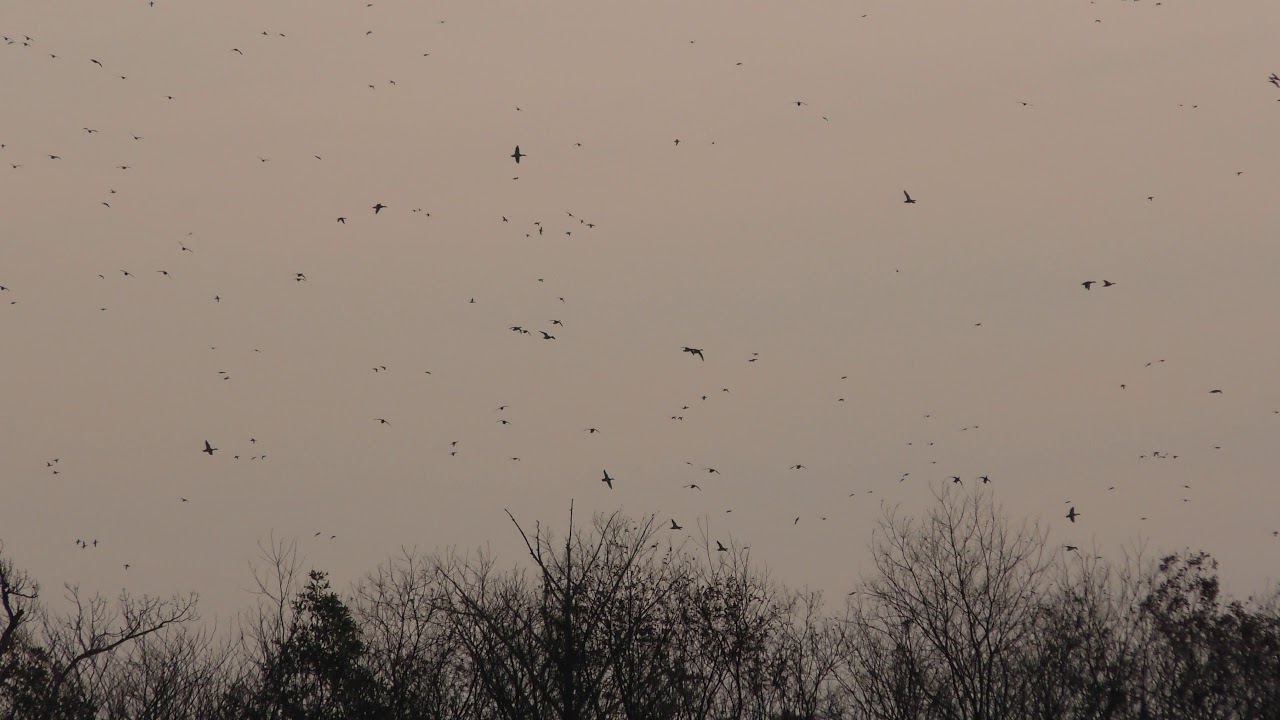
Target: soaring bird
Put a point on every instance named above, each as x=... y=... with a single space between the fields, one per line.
x=1107 y=283
x=377 y=208
x=208 y=448
x=517 y=155
x=1072 y=514
x=909 y=200
x=1089 y=284
x=695 y=351
x=607 y=480
x=720 y=547
x=675 y=526
x=344 y=220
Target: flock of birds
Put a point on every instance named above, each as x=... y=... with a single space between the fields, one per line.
x=19 y=155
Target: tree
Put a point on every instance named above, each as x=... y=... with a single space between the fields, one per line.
x=583 y=640
x=305 y=650
x=955 y=599
x=60 y=671
x=419 y=670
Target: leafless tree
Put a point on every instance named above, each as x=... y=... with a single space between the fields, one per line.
x=63 y=658
x=565 y=644
x=956 y=592
x=176 y=673
x=419 y=668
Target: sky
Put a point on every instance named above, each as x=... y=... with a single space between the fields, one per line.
x=882 y=345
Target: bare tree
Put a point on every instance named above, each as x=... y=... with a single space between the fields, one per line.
x=18 y=595
x=176 y=673
x=419 y=669
x=567 y=645
x=55 y=665
x=958 y=590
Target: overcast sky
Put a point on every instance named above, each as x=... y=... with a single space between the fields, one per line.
x=844 y=330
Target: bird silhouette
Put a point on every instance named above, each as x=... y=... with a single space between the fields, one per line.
x=1072 y=514
x=376 y=209
x=720 y=547
x=909 y=200
x=675 y=526
x=695 y=351
x=517 y=155
x=607 y=480
x=208 y=448
x=1088 y=284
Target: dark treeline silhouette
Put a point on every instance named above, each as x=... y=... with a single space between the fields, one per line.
x=966 y=615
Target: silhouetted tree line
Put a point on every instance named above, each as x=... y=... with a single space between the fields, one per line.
x=965 y=616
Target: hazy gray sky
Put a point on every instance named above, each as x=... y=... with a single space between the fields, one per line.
x=771 y=228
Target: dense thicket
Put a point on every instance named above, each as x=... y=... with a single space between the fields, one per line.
x=965 y=616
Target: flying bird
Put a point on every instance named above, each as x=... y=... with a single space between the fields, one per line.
x=517 y=155
x=695 y=351
x=208 y=448
x=1088 y=284
x=376 y=209
x=675 y=526
x=607 y=480
x=909 y=200
x=1072 y=514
